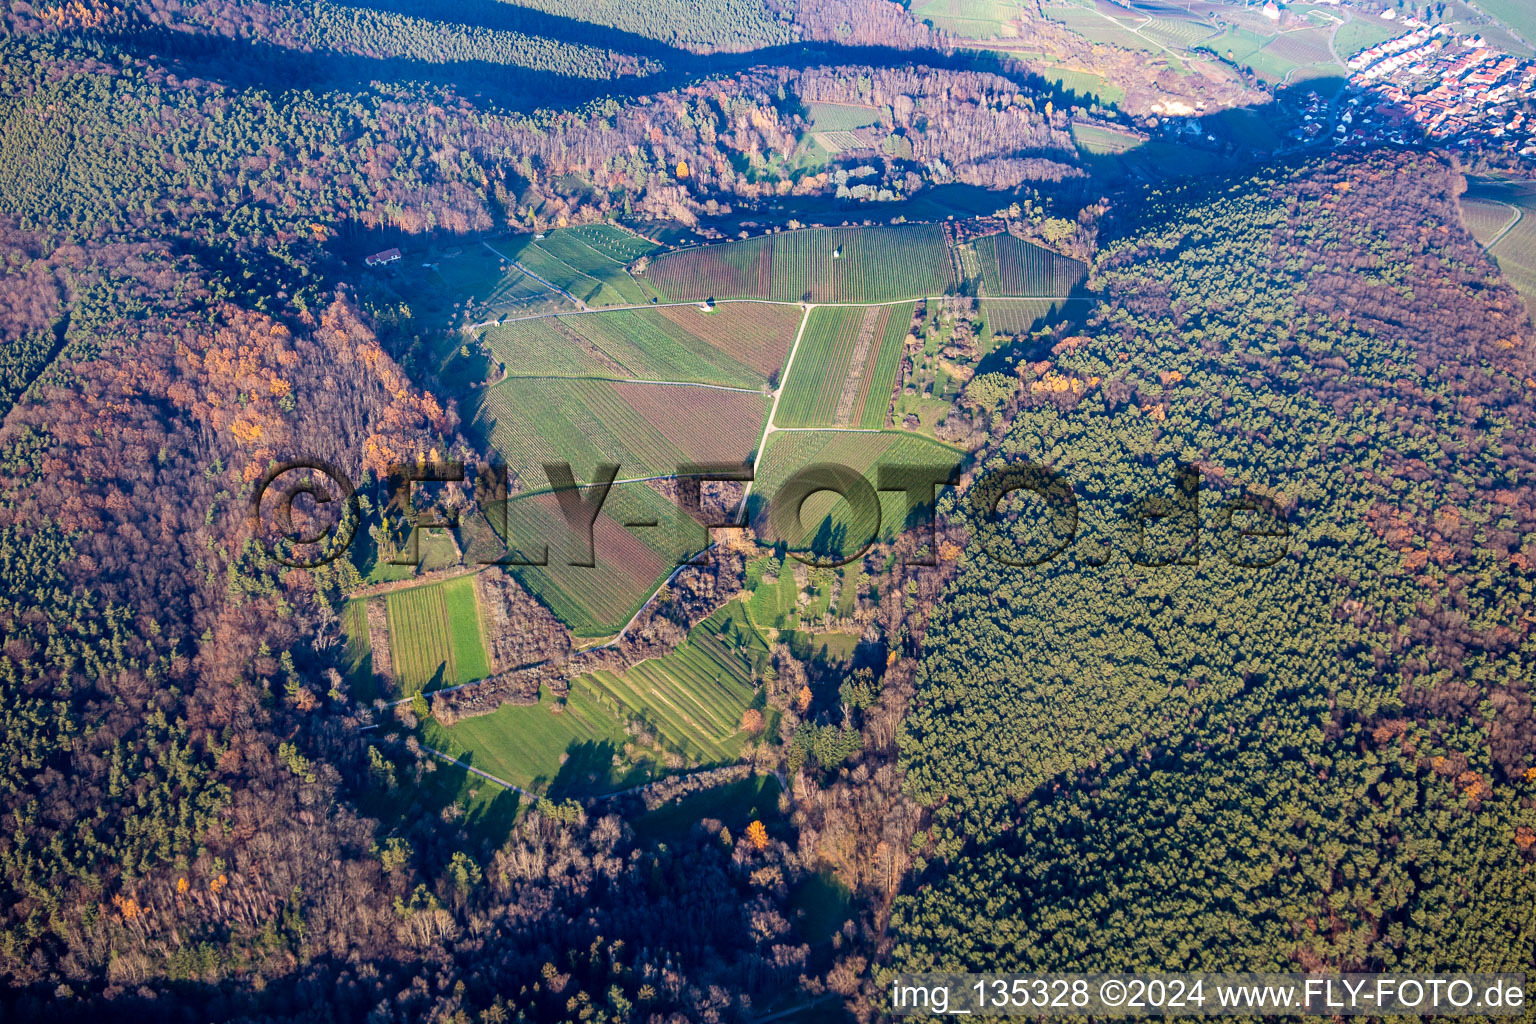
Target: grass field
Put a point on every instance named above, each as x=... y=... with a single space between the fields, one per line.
x=1483 y=204
x=480 y=286
x=1362 y=33
x=586 y=262
x=845 y=367
x=1519 y=15
x=556 y=748
x=691 y=701
x=828 y=523
x=1012 y=266
x=434 y=636
x=874 y=264
x=775 y=595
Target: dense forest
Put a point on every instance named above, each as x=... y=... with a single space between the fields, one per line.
x=1174 y=746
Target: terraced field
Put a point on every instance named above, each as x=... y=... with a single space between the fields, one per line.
x=845 y=368
x=434 y=636
x=876 y=264
x=1012 y=266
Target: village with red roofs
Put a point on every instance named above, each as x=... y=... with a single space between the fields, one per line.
x=1433 y=83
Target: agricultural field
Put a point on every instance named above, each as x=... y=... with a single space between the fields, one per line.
x=555 y=748
x=646 y=429
x=828 y=524
x=875 y=264
x=596 y=600
x=589 y=262
x=1515 y=249
x=840 y=117
x=845 y=367
x=435 y=638
x=1013 y=317
x=1012 y=266
x=691 y=701
x=473 y=284
x=738 y=345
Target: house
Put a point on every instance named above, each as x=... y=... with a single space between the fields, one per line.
x=383 y=257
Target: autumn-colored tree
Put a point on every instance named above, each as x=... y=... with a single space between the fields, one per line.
x=803 y=699
x=752 y=720
x=757 y=835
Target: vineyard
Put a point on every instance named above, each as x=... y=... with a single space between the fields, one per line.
x=597 y=600
x=647 y=429
x=827 y=521
x=845 y=368
x=693 y=698
x=757 y=334
x=841 y=117
x=1485 y=218
x=570 y=260
x=878 y=264
x=1012 y=266
x=669 y=343
x=735 y=270
x=434 y=636
x=1012 y=317
x=691 y=701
